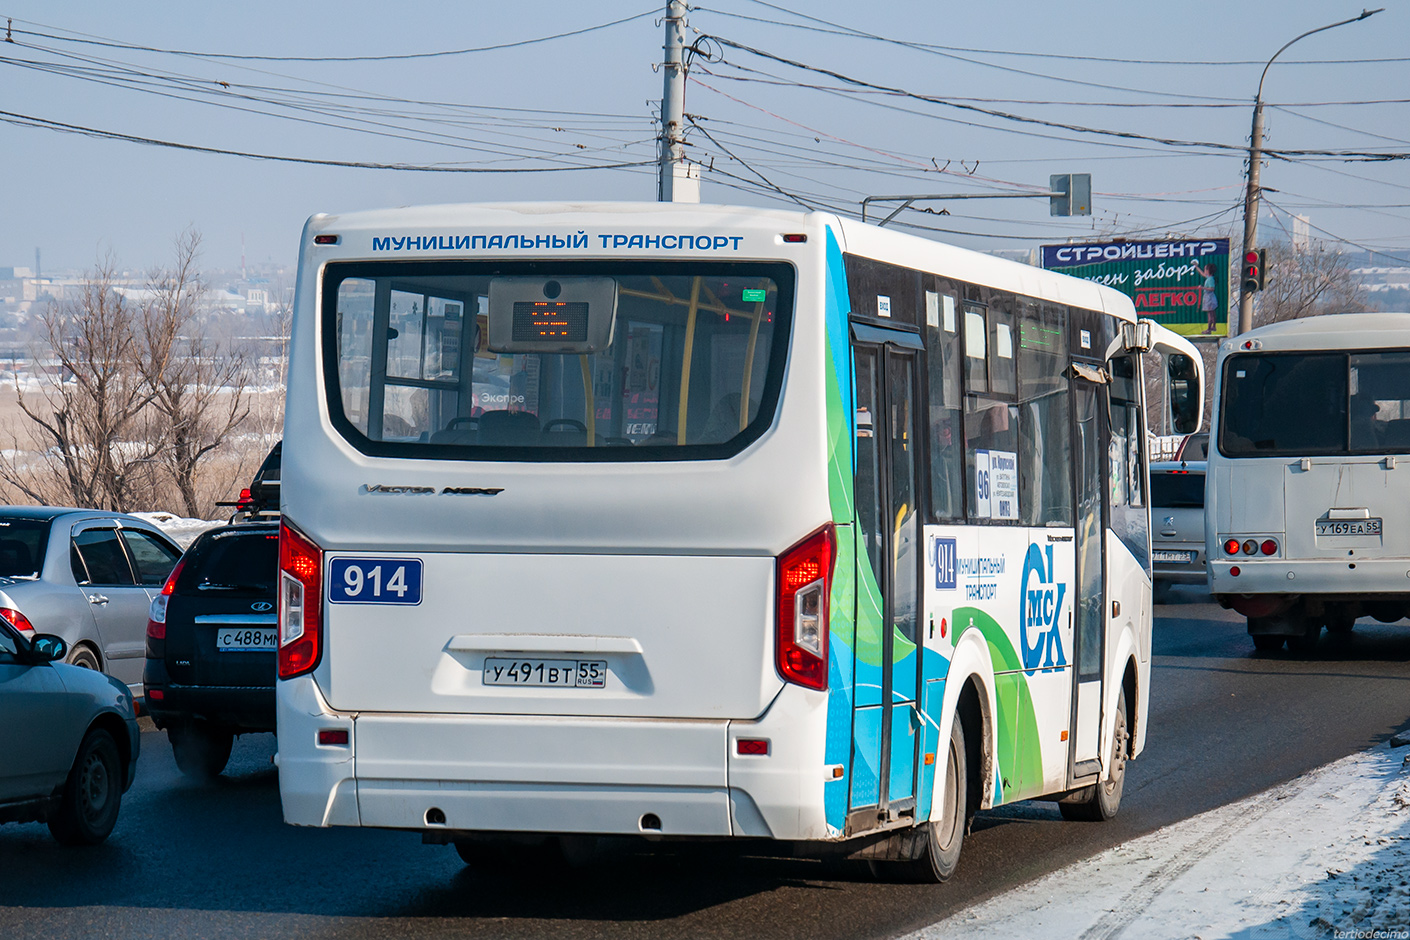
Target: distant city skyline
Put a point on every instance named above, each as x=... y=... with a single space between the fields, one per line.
x=767 y=132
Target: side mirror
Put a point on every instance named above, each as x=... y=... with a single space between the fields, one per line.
x=48 y=648
x=1186 y=394
x=1184 y=373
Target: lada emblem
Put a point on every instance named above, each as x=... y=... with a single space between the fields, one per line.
x=261 y=606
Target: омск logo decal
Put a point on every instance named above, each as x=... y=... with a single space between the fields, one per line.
x=1040 y=604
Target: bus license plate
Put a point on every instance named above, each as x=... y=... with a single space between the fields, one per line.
x=547 y=673
x=235 y=639
x=1348 y=527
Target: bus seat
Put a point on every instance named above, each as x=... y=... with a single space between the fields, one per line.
x=509 y=429
x=1396 y=434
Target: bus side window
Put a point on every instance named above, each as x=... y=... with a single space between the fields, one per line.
x=944 y=357
x=1045 y=442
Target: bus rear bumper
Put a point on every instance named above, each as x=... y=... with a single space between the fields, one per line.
x=1344 y=577
x=533 y=774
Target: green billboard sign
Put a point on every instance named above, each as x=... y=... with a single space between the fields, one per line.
x=1183 y=285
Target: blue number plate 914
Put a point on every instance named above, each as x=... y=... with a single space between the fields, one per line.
x=374 y=581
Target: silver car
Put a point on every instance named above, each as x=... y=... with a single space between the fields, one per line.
x=1177 y=525
x=86 y=576
x=68 y=737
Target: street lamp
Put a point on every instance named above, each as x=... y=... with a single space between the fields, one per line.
x=1255 y=156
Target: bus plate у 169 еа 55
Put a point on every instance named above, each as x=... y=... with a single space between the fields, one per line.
x=1370 y=526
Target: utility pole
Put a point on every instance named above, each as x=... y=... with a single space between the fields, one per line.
x=1255 y=158
x=677 y=180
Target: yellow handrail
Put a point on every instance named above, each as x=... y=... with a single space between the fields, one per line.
x=685 y=358
x=591 y=422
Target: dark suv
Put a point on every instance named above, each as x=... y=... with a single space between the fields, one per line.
x=211 y=640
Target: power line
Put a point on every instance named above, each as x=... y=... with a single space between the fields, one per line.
x=1352 y=155
x=839 y=29
x=112 y=44
x=25 y=120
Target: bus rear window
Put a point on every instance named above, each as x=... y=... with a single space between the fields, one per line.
x=1284 y=404
x=1327 y=403
x=562 y=361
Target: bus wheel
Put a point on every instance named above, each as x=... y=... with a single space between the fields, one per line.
x=944 y=836
x=1105 y=797
x=1268 y=642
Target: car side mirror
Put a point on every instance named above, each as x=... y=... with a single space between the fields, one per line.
x=48 y=648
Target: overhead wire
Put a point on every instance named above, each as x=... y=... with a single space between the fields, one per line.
x=839 y=29
x=25 y=120
x=385 y=57
x=1062 y=125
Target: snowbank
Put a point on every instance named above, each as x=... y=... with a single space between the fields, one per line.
x=183 y=531
x=1326 y=855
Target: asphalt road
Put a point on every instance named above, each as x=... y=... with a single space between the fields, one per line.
x=215 y=860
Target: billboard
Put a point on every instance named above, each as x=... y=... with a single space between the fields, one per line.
x=1170 y=282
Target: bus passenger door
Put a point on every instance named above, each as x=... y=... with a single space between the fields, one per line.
x=886 y=718
x=1089 y=608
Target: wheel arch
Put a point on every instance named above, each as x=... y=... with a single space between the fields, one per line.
x=969 y=696
x=117 y=730
x=1126 y=664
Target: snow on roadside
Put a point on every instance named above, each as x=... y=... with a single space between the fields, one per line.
x=183 y=531
x=1326 y=855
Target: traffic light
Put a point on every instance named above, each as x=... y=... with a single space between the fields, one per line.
x=1255 y=270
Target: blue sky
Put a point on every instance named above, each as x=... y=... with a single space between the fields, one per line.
x=590 y=99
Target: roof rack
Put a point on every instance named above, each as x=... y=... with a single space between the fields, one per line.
x=255 y=515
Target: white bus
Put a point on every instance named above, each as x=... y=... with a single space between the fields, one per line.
x=700 y=522
x=1307 y=513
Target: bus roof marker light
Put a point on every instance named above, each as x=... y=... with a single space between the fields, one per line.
x=794 y=238
x=325 y=239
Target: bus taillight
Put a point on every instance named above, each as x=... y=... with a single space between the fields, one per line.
x=804 y=582
x=300 y=602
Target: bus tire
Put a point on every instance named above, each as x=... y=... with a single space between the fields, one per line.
x=944 y=837
x=1268 y=642
x=1105 y=798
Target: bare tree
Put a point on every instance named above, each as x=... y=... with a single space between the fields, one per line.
x=1307 y=281
x=93 y=447
x=197 y=384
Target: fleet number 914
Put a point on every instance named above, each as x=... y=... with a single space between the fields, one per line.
x=374 y=581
